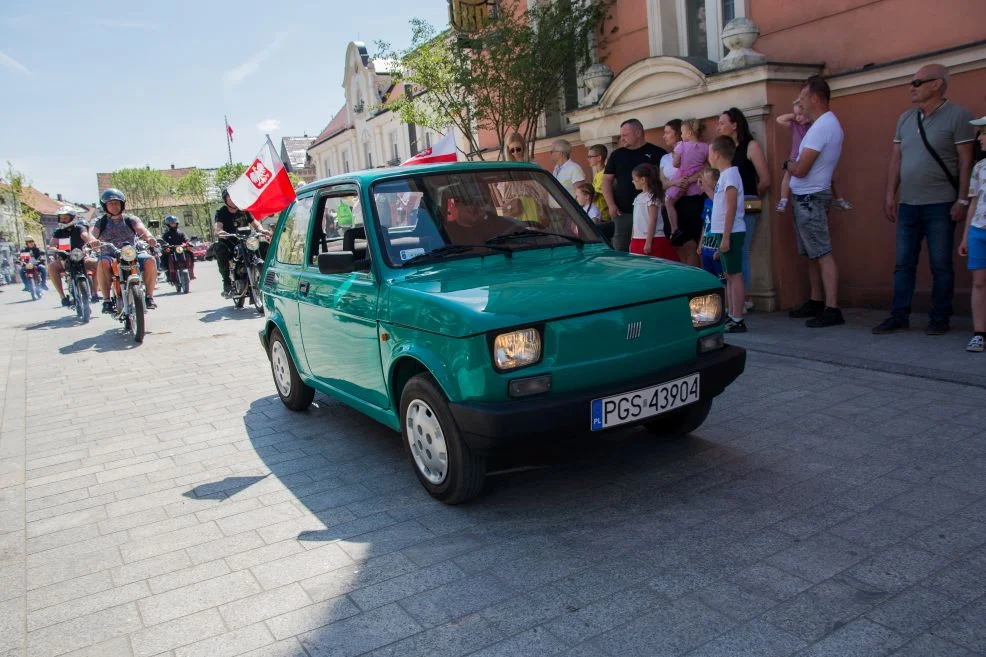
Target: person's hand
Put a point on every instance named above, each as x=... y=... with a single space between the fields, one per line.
x=715 y=256
x=698 y=251
x=647 y=247
x=724 y=245
x=958 y=211
x=964 y=247
x=683 y=183
x=613 y=210
x=152 y=242
x=890 y=209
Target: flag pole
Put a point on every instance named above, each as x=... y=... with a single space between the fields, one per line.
x=229 y=148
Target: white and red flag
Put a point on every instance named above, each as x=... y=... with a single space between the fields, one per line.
x=229 y=131
x=442 y=151
x=264 y=188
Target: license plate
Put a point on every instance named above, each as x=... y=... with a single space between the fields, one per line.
x=646 y=402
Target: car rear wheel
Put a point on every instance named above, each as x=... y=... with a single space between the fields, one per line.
x=290 y=388
x=682 y=422
x=445 y=465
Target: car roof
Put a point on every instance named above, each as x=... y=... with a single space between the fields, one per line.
x=368 y=176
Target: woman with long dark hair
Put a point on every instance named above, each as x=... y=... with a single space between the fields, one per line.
x=752 y=165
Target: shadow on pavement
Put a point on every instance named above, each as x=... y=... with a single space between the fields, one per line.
x=223 y=488
x=115 y=339
x=228 y=312
x=62 y=322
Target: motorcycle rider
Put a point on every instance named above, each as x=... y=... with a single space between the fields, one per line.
x=121 y=229
x=228 y=219
x=69 y=235
x=30 y=246
x=174 y=237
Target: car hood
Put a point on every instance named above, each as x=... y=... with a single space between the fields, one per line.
x=475 y=295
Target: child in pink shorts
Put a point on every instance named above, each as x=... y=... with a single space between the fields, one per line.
x=690 y=156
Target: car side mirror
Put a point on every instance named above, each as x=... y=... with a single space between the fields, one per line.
x=339 y=262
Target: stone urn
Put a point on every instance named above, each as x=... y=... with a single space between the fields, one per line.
x=738 y=37
x=596 y=79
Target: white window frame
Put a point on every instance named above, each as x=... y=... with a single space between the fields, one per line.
x=714 y=25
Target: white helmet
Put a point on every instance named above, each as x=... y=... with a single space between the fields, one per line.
x=67 y=209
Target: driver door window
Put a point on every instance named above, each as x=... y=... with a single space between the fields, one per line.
x=294 y=232
x=340 y=214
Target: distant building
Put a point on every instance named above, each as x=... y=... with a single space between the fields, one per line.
x=294 y=155
x=193 y=215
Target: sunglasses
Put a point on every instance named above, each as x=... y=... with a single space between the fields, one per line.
x=515 y=150
x=917 y=83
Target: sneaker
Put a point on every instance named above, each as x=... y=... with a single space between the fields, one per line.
x=149 y=302
x=108 y=308
x=733 y=326
x=891 y=324
x=809 y=308
x=747 y=305
x=936 y=327
x=782 y=205
x=828 y=317
x=842 y=204
x=227 y=289
x=976 y=344
x=66 y=303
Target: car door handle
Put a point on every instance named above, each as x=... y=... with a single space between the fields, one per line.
x=303 y=287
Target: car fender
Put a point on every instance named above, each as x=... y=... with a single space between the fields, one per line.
x=406 y=347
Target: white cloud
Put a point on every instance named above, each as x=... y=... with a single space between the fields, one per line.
x=236 y=75
x=8 y=62
x=269 y=125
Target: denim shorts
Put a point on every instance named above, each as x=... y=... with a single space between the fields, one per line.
x=977 y=248
x=811 y=224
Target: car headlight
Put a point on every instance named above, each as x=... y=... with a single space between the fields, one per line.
x=517 y=349
x=75 y=255
x=706 y=310
x=253 y=243
x=128 y=253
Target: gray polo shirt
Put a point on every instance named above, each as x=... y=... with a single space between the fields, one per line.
x=922 y=181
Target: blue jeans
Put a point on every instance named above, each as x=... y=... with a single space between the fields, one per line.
x=914 y=224
x=44 y=276
x=751 y=224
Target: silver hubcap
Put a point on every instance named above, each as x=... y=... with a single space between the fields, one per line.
x=282 y=370
x=427 y=441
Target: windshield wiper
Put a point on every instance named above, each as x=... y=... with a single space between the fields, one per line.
x=522 y=234
x=450 y=249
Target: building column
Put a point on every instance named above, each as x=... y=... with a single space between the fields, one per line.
x=762 y=290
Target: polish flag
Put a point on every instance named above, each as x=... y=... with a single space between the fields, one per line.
x=442 y=151
x=264 y=188
x=229 y=131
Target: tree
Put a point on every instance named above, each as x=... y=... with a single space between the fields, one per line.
x=296 y=180
x=227 y=173
x=501 y=78
x=144 y=188
x=26 y=219
x=196 y=187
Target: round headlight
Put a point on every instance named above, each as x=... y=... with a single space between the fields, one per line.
x=178 y=249
x=253 y=243
x=517 y=349
x=128 y=253
x=75 y=255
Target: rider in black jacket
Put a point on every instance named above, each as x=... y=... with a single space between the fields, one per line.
x=30 y=246
x=174 y=237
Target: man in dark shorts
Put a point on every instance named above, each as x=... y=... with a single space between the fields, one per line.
x=618 y=189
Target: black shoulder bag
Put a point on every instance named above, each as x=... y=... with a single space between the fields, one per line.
x=948 y=174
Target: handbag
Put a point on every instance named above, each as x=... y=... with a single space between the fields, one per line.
x=953 y=181
x=753 y=205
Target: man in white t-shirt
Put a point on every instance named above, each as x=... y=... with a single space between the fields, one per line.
x=566 y=171
x=811 y=188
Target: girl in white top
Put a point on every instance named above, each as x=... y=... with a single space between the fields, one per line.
x=648 y=236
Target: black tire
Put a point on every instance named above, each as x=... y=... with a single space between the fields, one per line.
x=183 y=281
x=76 y=304
x=138 y=316
x=255 y=298
x=294 y=393
x=465 y=469
x=82 y=301
x=32 y=287
x=680 y=423
x=239 y=294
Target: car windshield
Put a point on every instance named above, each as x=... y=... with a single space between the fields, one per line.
x=472 y=213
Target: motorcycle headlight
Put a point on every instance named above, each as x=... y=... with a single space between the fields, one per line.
x=706 y=310
x=517 y=349
x=128 y=253
x=179 y=250
x=75 y=255
x=253 y=243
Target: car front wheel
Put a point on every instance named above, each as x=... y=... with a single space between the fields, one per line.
x=290 y=388
x=682 y=422
x=445 y=465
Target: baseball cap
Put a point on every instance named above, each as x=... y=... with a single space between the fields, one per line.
x=980 y=121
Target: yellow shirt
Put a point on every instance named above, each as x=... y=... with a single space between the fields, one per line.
x=597 y=184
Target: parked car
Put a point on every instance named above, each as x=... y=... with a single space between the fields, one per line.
x=472 y=306
x=199 y=249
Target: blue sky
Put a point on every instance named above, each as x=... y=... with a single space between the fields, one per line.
x=93 y=86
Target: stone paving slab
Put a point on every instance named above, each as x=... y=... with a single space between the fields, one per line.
x=831 y=505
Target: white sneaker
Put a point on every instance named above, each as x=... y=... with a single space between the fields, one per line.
x=976 y=344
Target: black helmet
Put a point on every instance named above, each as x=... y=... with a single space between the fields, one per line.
x=171 y=219
x=112 y=194
x=225 y=193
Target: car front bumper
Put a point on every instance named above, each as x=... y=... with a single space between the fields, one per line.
x=487 y=425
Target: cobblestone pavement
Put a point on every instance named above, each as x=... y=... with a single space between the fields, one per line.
x=159 y=500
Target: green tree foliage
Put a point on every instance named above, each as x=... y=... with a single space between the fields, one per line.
x=501 y=78
x=146 y=191
x=197 y=189
x=26 y=219
x=227 y=173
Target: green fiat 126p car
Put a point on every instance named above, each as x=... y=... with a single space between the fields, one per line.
x=473 y=305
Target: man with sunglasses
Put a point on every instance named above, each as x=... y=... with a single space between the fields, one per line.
x=927 y=189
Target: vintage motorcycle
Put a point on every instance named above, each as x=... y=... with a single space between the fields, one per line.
x=245 y=269
x=33 y=275
x=127 y=290
x=75 y=281
x=178 y=265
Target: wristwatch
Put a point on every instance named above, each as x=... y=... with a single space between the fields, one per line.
x=963 y=201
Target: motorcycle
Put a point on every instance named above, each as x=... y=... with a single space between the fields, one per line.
x=178 y=274
x=245 y=269
x=33 y=275
x=75 y=281
x=127 y=289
